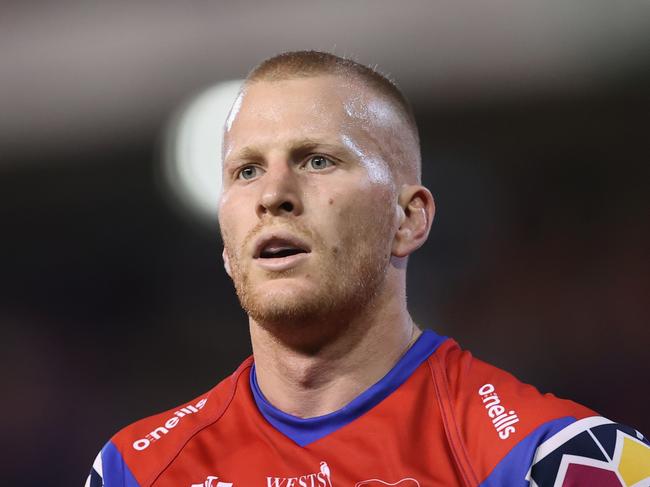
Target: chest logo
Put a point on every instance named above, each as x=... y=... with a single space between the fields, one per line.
x=322 y=478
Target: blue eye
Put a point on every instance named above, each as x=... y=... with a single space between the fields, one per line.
x=248 y=172
x=319 y=162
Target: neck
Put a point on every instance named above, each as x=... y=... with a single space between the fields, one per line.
x=313 y=380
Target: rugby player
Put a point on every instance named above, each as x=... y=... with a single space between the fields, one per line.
x=322 y=205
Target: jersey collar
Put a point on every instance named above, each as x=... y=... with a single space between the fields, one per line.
x=305 y=431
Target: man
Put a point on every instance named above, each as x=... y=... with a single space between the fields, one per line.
x=321 y=207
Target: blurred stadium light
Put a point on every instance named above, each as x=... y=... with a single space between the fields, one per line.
x=192 y=157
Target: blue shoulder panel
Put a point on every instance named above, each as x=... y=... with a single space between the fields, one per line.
x=305 y=431
x=514 y=467
x=115 y=472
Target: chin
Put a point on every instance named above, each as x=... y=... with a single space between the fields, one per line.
x=285 y=304
x=294 y=299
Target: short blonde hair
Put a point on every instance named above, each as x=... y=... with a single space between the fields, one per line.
x=299 y=64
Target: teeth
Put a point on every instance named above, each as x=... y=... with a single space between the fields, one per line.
x=274 y=252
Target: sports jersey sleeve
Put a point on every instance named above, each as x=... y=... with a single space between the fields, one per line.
x=110 y=470
x=506 y=433
x=137 y=454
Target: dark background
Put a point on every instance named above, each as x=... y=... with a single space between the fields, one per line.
x=113 y=301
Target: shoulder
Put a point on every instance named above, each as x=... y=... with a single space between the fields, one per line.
x=508 y=433
x=493 y=402
x=139 y=452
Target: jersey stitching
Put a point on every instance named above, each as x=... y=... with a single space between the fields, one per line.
x=444 y=421
x=457 y=425
x=220 y=412
x=451 y=425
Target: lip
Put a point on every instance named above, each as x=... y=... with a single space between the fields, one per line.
x=280 y=263
x=281 y=236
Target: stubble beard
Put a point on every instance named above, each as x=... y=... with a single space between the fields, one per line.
x=349 y=279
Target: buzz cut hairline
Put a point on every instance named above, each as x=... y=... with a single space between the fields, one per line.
x=306 y=64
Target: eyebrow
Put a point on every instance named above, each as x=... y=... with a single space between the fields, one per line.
x=296 y=148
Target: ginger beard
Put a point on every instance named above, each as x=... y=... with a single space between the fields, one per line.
x=348 y=273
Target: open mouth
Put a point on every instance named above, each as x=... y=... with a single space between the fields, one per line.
x=278 y=248
x=276 y=253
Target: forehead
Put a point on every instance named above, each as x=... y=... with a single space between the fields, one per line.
x=327 y=106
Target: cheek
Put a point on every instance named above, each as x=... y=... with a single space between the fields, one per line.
x=230 y=224
x=356 y=215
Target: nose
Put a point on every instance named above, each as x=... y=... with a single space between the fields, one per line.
x=280 y=193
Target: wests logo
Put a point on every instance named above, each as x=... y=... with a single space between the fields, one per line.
x=318 y=479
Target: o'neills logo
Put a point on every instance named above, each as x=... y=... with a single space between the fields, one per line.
x=317 y=479
x=503 y=421
x=160 y=431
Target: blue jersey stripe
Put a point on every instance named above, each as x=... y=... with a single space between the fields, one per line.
x=513 y=468
x=306 y=431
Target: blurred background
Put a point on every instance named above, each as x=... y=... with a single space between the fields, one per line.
x=114 y=305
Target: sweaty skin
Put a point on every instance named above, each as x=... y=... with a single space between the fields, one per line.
x=307 y=166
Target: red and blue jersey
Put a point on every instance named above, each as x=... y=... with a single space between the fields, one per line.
x=440 y=417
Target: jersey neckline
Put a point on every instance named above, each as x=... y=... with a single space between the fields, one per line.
x=305 y=431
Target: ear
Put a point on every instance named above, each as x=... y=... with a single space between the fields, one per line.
x=416 y=208
x=226 y=263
